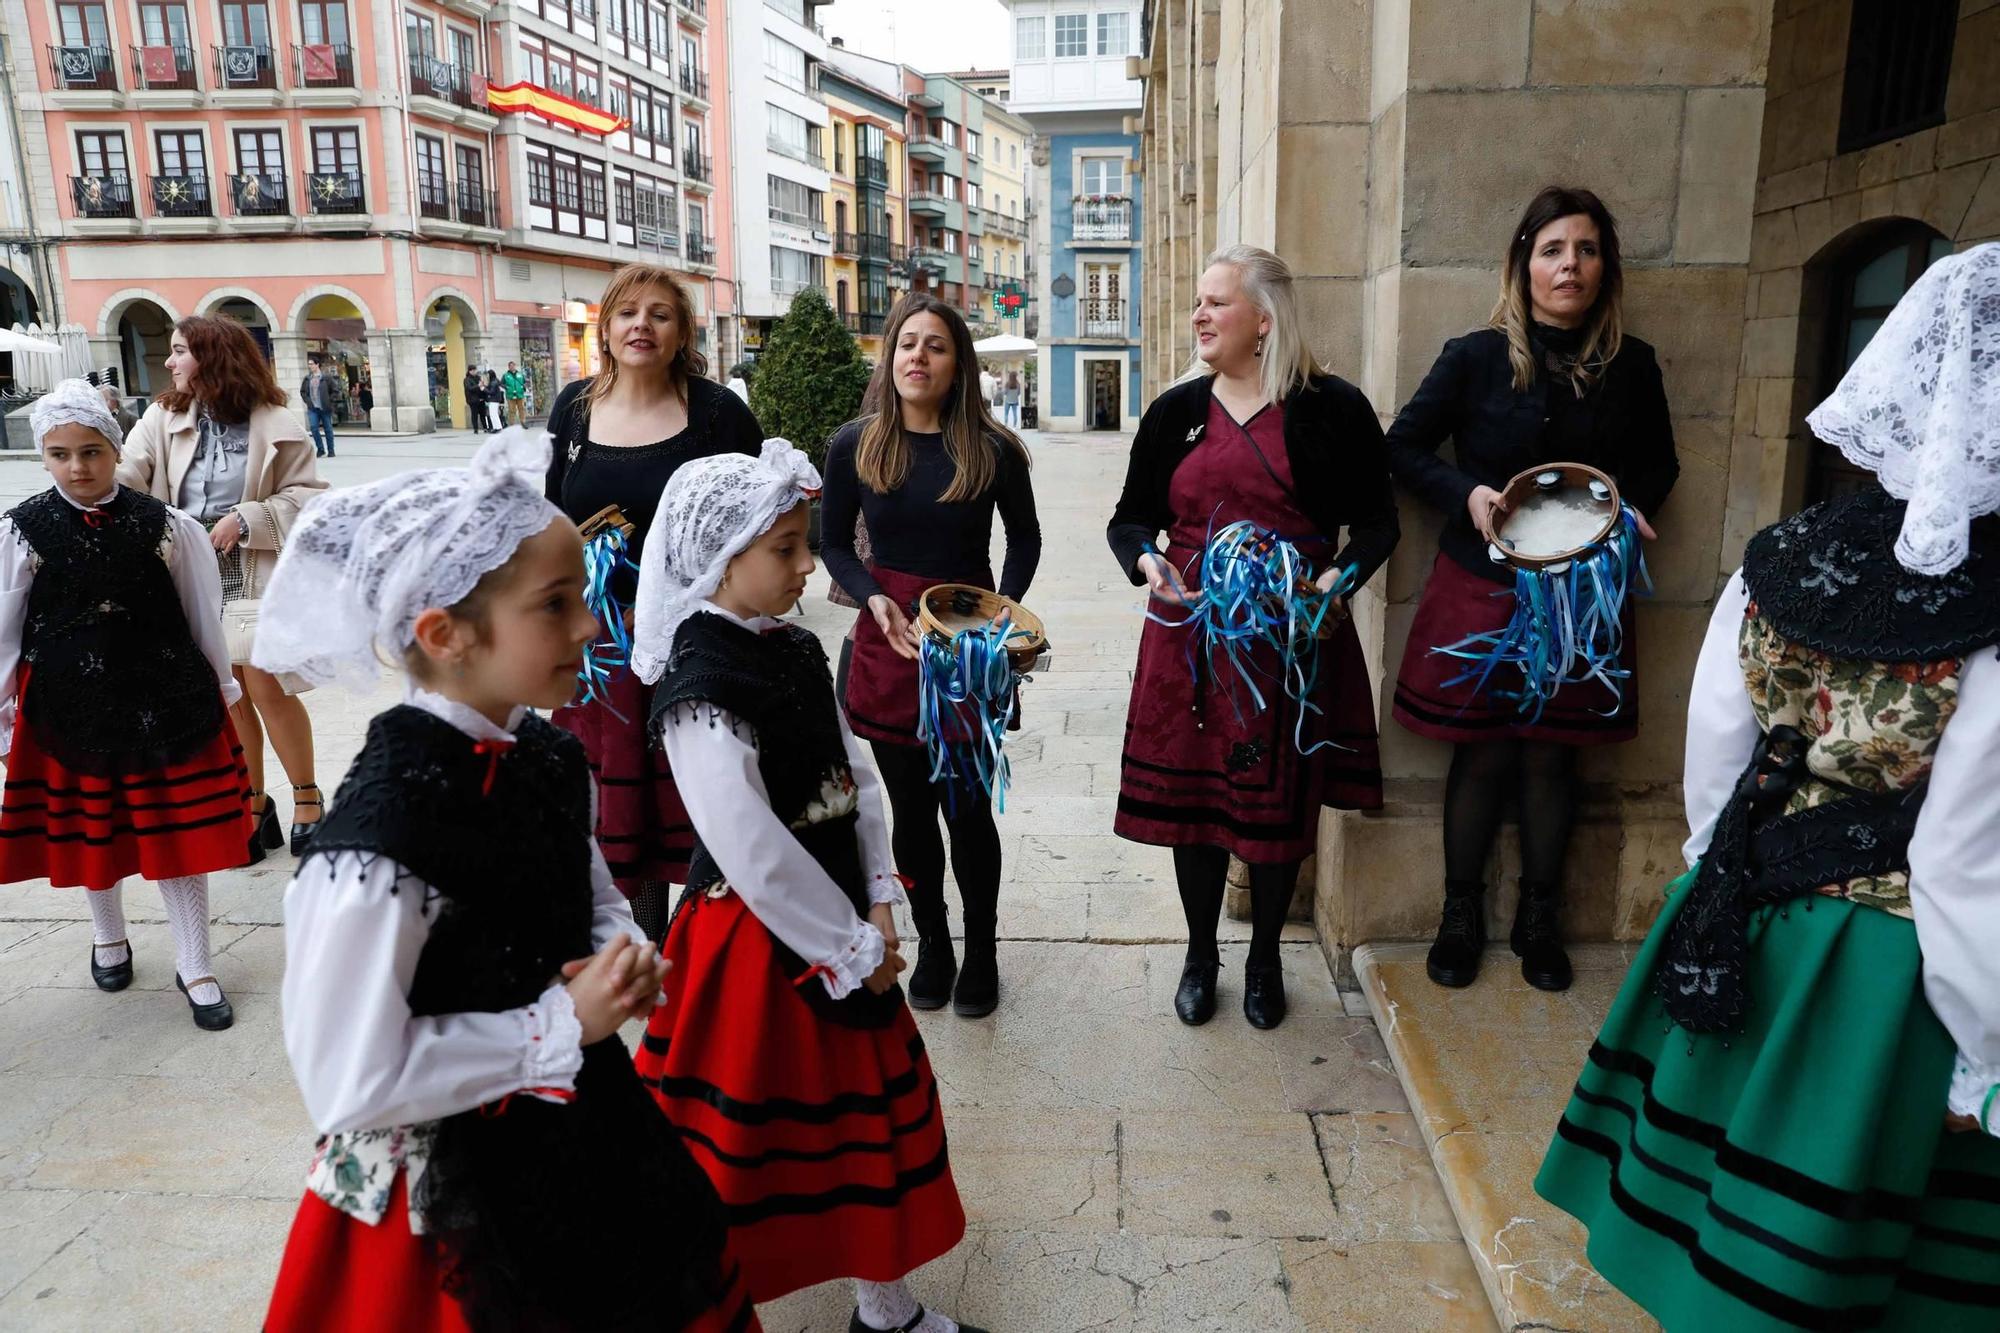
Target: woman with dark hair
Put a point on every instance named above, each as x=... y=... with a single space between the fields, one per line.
x=619 y=436
x=1552 y=378
x=927 y=469
x=222 y=446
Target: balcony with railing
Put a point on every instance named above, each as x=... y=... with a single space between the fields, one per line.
x=104 y=195
x=477 y=207
x=695 y=12
x=323 y=65
x=83 y=69
x=928 y=147
x=694 y=83
x=258 y=194
x=930 y=203
x=871 y=171
x=182 y=196
x=699 y=251
x=335 y=194
x=699 y=168
x=245 y=68
x=847 y=243
x=433 y=195
x=1104 y=218
x=164 y=69
x=455 y=85
x=1103 y=317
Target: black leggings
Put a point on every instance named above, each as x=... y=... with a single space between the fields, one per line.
x=1203 y=874
x=918 y=804
x=1485 y=776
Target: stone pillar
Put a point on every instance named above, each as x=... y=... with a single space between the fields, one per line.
x=399 y=368
x=288 y=363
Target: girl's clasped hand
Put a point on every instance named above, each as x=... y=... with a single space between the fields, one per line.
x=619 y=982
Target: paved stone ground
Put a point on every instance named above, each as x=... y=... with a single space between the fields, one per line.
x=1122 y=1172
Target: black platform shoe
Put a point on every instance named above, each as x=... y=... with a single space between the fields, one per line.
x=1454 y=955
x=264 y=830
x=929 y=986
x=1194 y=1002
x=208 y=1017
x=856 y=1325
x=1537 y=937
x=978 y=991
x=115 y=977
x=302 y=834
x=1264 y=994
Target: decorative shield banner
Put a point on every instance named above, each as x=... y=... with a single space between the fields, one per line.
x=78 y=64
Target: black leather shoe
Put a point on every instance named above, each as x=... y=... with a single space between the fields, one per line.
x=1537 y=937
x=115 y=977
x=256 y=849
x=978 y=991
x=929 y=986
x=208 y=1017
x=855 y=1324
x=1264 y=994
x=302 y=834
x=1454 y=955
x=1194 y=1002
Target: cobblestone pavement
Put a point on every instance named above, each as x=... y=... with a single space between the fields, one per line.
x=1121 y=1171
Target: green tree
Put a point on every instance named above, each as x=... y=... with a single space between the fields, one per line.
x=811 y=377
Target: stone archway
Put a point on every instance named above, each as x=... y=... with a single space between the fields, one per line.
x=333 y=327
x=247 y=308
x=142 y=328
x=453 y=344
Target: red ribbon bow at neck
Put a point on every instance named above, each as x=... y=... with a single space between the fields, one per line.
x=492 y=751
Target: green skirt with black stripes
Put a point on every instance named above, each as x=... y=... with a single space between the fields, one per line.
x=1795 y=1175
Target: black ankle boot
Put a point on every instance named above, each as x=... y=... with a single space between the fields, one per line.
x=929 y=986
x=1454 y=956
x=1537 y=937
x=1264 y=994
x=978 y=991
x=1194 y=1001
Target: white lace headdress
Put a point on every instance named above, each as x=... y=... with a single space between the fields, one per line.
x=78 y=403
x=712 y=510
x=361 y=564
x=1920 y=408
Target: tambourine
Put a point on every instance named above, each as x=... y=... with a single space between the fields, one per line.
x=1556 y=513
x=946 y=609
x=605 y=520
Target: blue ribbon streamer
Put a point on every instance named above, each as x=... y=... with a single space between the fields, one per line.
x=1567 y=628
x=604 y=554
x=965 y=700
x=1251 y=586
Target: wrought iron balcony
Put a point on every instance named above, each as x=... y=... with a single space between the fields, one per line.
x=1104 y=317
x=105 y=195
x=699 y=251
x=323 y=65
x=245 y=66
x=433 y=195
x=164 y=68
x=335 y=193
x=477 y=207
x=83 y=68
x=698 y=167
x=447 y=82
x=182 y=196
x=694 y=83
x=1103 y=219
x=258 y=194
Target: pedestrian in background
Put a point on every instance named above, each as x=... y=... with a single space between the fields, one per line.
x=365 y=395
x=475 y=401
x=516 y=386
x=1010 y=400
x=495 y=399
x=318 y=392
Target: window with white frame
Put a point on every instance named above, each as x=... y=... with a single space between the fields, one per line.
x=971 y=144
x=795 y=270
x=793 y=135
x=1072 y=35
x=1103 y=175
x=1112 y=38
x=784 y=62
x=1030 y=36
x=790 y=201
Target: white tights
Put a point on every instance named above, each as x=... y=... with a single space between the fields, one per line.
x=889 y=1305
x=186 y=899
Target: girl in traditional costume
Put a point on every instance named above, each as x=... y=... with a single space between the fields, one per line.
x=1804 y=1137
x=458 y=959
x=114 y=695
x=784 y=1052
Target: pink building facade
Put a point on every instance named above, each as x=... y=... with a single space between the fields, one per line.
x=330 y=174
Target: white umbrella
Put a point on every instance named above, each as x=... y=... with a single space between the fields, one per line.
x=1005 y=346
x=13 y=341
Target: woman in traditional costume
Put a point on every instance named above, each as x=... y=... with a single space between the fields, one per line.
x=1788 y=1117
x=1255 y=431
x=1554 y=378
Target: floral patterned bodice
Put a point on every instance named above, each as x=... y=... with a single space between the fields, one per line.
x=1873 y=726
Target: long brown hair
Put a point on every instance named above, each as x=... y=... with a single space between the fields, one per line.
x=1604 y=330
x=882 y=457
x=231 y=377
x=634 y=279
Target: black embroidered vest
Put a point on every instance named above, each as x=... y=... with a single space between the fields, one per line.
x=117 y=683
x=1828 y=579
x=778 y=685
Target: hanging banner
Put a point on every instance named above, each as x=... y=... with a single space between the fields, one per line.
x=525 y=98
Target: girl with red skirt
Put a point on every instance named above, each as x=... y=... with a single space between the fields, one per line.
x=457 y=958
x=120 y=756
x=619 y=435
x=784 y=1053
x=1553 y=380
x=927 y=471
x=1257 y=432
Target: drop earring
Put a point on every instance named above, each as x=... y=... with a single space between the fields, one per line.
x=1260 y=346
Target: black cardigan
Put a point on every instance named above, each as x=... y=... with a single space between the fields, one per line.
x=1340 y=472
x=1496 y=432
x=719 y=421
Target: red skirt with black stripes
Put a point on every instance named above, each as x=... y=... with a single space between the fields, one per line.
x=642 y=823
x=825 y=1142
x=85 y=831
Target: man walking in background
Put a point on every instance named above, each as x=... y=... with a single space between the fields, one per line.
x=516 y=386
x=316 y=392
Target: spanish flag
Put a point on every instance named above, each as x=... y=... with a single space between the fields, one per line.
x=525 y=97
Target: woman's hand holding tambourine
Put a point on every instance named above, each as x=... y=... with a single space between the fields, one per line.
x=1645 y=528
x=1163 y=580
x=1337 y=608
x=895 y=626
x=1486 y=506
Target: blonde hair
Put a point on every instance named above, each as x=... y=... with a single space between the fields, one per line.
x=1266 y=281
x=882 y=455
x=687 y=362
x=1513 y=312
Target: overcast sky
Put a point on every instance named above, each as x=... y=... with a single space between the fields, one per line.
x=932 y=35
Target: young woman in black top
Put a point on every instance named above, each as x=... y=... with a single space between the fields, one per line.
x=618 y=437
x=927 y=470
x=1554 y=378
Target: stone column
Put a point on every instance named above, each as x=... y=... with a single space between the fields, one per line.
x=288 y=363
x=398 y=367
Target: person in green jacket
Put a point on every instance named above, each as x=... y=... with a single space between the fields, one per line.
x=515 y=385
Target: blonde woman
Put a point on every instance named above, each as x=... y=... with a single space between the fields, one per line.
x=1553 y=379
x=1256 y=430
x=619 y=436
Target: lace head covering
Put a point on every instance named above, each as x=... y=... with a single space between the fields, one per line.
x=711 y=511
x=1920 y=408
x=361 y=564
x=79 y=403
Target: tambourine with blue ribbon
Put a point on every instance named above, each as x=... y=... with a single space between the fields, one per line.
x=975 y=649
x=607 y=538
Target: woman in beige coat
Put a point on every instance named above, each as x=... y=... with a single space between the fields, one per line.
x=222 y=446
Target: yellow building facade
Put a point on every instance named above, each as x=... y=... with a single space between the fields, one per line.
x=866 y=211
x=1006 y=206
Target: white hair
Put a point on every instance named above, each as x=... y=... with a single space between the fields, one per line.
x=1266 y=282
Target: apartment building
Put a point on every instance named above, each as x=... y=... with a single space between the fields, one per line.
x=867 y=207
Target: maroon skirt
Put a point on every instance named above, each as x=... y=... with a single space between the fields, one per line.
x=1203 y=767
x=881 y=683
x=642 y=823
x=1457 y=603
